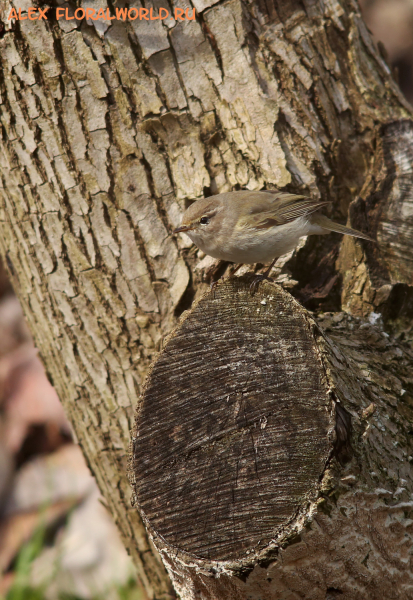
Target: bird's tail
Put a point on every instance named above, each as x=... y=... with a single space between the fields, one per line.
x=326 y=223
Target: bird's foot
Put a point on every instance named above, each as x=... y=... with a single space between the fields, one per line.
x=256 y=282
x=213 y=286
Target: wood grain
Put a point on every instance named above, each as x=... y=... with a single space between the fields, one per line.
x=234 y=426
x=272 y=453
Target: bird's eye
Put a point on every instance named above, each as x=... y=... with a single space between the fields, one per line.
x=204 y=220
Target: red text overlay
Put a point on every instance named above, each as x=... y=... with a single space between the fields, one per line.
x=121 y=14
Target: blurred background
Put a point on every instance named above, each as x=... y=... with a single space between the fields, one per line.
x=391 y=23
x=57 y=541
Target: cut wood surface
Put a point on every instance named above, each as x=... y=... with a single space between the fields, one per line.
x=236 y=425
x=269 y=460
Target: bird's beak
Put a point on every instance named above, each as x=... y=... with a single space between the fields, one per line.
x=183 y=228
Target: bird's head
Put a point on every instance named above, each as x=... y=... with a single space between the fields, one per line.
x=201 y=218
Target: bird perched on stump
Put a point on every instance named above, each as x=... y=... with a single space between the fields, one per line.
x=256 y=227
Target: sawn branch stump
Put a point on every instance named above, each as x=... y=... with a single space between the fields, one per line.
x=255 y=462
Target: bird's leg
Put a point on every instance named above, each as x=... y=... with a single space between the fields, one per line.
x=214 y=284
x=236 y=269
x=216 y=274
x=258 y=278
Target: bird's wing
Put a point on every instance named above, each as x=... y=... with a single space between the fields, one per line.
x=277 y=208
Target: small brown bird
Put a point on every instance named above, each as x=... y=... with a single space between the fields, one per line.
x=256 y=227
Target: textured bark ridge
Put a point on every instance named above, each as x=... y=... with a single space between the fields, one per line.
x=385 y=207
x=269 y=460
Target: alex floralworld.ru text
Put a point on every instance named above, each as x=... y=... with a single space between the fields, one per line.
x=121 y=14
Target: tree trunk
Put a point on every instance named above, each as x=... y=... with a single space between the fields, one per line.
x=269 y=461
x=108 y=130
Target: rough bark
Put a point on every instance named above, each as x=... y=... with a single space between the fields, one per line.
x=272 y=454
x=382 y=279
x=107 y=131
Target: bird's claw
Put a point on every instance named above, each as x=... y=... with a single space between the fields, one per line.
x=213 y=286
x=256 y=282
